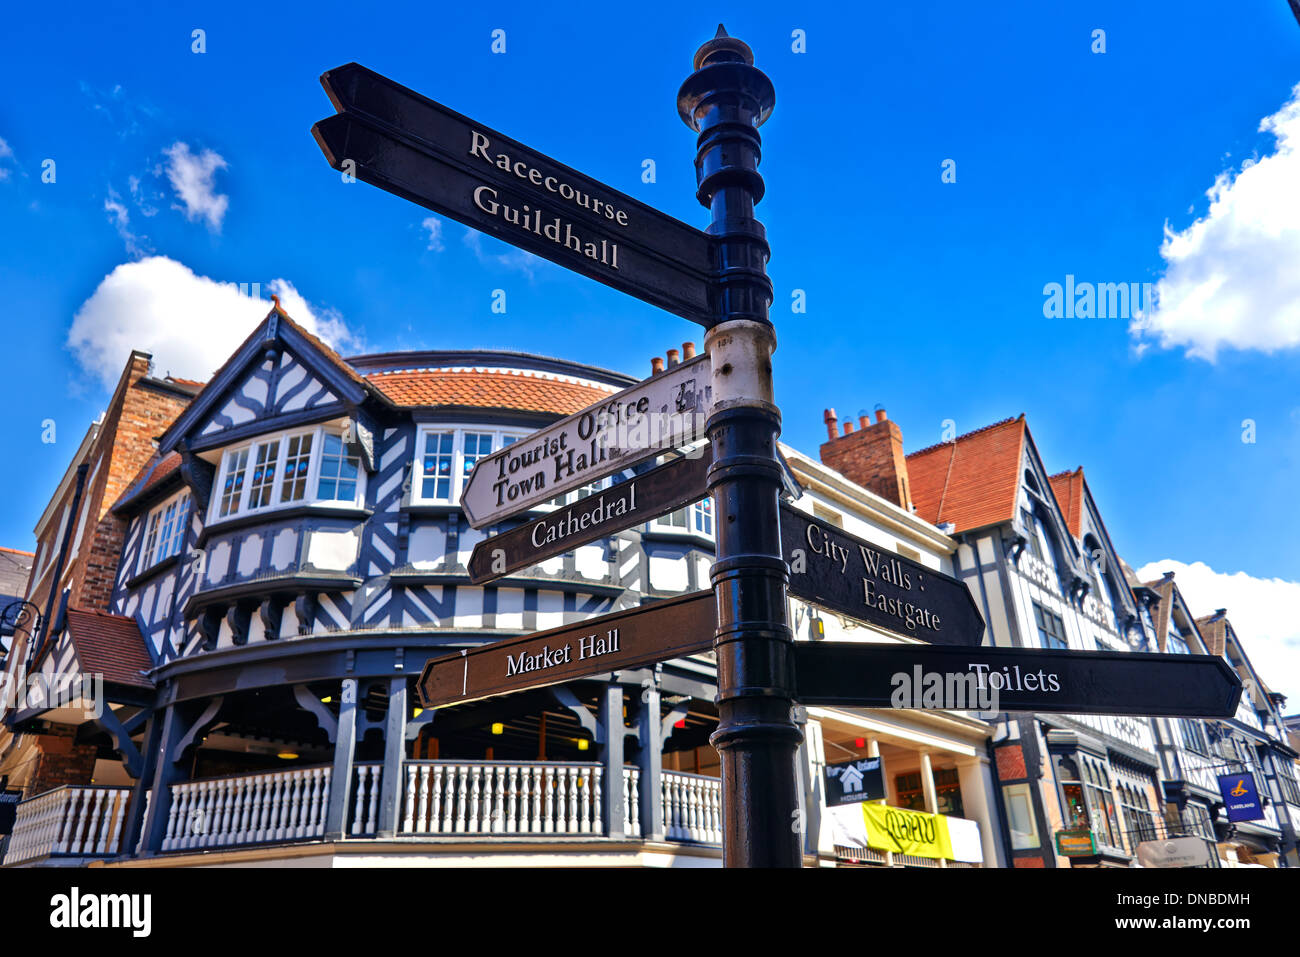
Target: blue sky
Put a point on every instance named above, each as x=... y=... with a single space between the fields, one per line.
x=922 y=295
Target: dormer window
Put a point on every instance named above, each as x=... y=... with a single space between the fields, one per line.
x=165 y=530
x=304 y=467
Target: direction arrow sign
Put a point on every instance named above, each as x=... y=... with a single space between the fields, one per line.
x=407 y=144
x=660 y=413
x=856 y=675
x=640 y=499
x=853 y=577
x=624 y=639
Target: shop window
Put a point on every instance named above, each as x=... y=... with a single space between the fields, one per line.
x=947 y=791
x=1019 y=805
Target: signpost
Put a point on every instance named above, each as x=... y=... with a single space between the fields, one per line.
x=639 y=499
x=405 y=143
x=850 y=576
x=1070 y=682
x=623 y=639
x=654 y=416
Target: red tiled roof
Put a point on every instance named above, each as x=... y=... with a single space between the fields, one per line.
x=970 y=481
x=153 y=472
x=497 y=389
x=1068 y=487
x=110 y=645
x=17 y=551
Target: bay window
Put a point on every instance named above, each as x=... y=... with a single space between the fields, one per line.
x=307 y=466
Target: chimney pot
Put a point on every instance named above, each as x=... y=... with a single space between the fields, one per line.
x=673 y=358
x=656 y=365
x=880 y=413
x=848 y=428
x=829 y=418
x=688 y=350
x=863 y=421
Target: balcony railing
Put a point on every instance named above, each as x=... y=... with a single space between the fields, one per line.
x=271 y=807
x=498 y=798
x=502 y=797
x=71 y=821
x=692 y=807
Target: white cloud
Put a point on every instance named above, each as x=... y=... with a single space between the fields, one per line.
x=1262 y=612
x=434 y=226
x=5 y=148
x=516 y=259
x=121 y=219
x=192 y=177
x=1231 y=279
x=190 y=323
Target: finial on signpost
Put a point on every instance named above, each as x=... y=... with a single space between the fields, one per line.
x=723 y=48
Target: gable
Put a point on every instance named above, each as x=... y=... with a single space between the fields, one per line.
x=278 y=386
x=280 y=377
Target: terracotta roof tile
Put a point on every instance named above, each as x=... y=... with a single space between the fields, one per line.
x=970 y=481
x=153 y=472
x=1068 y=487
x=110 y=645
x=1214 y=630
x=498 y=389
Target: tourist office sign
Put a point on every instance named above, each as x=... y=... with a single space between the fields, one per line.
x=624 y=639
x=652 y=417
x=863 y=675
x=642 y=498
x=398 y=140
x=852 y=577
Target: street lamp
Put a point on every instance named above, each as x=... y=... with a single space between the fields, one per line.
x=15 y=615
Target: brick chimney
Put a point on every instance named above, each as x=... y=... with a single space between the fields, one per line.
x=872 y=455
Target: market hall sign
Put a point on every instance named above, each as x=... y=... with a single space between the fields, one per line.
x=599 y=515
x=398 y=140
x=852 y=577
x=624 y=639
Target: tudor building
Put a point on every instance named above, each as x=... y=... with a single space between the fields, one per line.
x=295 y=551
x=1035 y=553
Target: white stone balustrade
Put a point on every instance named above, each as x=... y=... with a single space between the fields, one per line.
x=273 y=807
x=70 y=821
x=501 y=797
x=692 y=806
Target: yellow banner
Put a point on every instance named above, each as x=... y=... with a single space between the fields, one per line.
x=907 y=832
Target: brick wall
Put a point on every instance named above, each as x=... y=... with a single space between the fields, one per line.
x=61 y=761
x=872 y=456
x=141 y=410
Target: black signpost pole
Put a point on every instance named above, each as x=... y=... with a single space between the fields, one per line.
x=726 y=99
